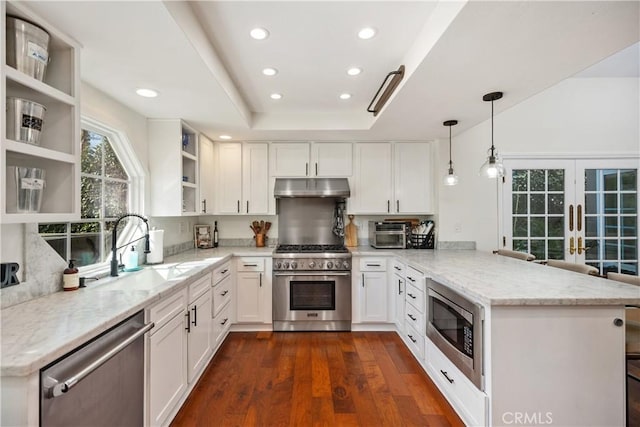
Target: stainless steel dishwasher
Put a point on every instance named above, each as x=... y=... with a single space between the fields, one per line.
x=100 y=383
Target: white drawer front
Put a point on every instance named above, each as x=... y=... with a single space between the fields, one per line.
x=221 y=272
x=415 y=340
x=221 y=324
x=398 y=268
x=415 y=277
x=250 y=264
x=199 y=287
x=415 y=297
x=415 y=319
x=166 y=309
x=221 y=295
x=373 y=264
x=469 y=402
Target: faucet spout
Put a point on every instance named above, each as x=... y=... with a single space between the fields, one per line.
x=114 y=241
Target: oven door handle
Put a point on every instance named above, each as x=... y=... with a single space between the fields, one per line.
x=319 y=273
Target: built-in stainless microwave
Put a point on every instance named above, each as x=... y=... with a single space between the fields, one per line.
x=390 y=234
x=454 y=325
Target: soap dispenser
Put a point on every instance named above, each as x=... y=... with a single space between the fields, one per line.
x=70 y=277
x=131 y=260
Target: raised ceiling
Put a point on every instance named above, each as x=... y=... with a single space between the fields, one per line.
x=199 y=56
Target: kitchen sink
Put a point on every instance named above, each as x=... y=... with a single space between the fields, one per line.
x=146 y=279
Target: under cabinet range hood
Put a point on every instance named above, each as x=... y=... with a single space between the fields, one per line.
x=311 y=187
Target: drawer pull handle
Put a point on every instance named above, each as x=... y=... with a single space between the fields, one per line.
x=250 y=265
x=411 y=278
x=412 y=296
x=224 y=271
x=412 y=339
x=446 y=376
x=188 y=316
x=224 y=321
x=373 y=265
x=397 y=268
x=224 y=293
x=411 y=317
x=195 y=315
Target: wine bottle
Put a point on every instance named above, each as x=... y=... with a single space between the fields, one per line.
x=215 y=234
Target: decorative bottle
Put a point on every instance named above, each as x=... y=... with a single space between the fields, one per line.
x=215 y=234
x=70 y=277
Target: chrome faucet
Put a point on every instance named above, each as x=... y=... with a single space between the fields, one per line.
x=114 y=240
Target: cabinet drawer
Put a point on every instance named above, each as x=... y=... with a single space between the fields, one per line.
x=199 y=287
x=415 y=319
x=221 y=295
x=415 y=340
x=467 y=400
x=373 y=264
x=415 y=297
x=163 y=311
x=415 y=277
x=398 y=268
x=221 y=325
x=250 y=264
x=221 y=272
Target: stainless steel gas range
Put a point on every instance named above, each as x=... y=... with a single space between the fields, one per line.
x=311 y=288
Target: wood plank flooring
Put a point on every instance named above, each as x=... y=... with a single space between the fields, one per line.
x=315 y=379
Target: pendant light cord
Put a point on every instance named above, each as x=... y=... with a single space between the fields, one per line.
x=492 y=147
x=450 y=162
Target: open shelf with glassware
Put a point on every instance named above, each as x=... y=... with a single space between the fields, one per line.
x=40 y=144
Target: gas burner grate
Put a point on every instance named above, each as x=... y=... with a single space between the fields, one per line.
x=311 y=249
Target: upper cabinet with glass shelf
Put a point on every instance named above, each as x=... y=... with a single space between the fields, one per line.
x=173 y=164
x=40 y=144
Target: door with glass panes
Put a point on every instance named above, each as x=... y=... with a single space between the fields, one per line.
x=583 y=211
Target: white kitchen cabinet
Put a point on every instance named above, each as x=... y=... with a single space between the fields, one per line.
x=372 y=190
x=167 y=363
x=173 y=166
x=242 y=178
x=199 y=326
x=207 y=179
x=58 y=151
x=253 y=290
x=373 y=295
x=311 y=159
x=398 y=285
x=392 y=178
x=222 y=296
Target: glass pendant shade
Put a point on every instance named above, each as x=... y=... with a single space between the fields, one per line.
x=450 y=178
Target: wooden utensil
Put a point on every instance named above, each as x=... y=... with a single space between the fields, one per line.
x=351 y=233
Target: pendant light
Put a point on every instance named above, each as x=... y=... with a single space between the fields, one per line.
x=493 y=167
x=450 y=178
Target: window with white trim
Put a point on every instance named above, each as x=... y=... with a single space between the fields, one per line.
x=110 y=186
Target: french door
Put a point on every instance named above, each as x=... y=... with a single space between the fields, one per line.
x=583 y=211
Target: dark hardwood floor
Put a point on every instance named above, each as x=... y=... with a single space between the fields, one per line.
x=315 y=379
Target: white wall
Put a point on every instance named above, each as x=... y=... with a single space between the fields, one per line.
x=578 y=116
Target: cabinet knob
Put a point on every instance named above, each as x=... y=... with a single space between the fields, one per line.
x=618 y=322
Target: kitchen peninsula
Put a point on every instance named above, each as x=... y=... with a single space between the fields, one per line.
x=550 y=338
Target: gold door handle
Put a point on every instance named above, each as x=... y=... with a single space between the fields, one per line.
x=580 y=247
x=570 y=217
x=579 y=218
x=572 y=245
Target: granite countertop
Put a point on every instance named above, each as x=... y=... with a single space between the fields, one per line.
x=37 y=332
x=496 y=280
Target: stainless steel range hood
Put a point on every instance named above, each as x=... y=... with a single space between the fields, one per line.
x=311 y=187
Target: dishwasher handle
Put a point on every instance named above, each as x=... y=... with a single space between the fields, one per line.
x=62 y=387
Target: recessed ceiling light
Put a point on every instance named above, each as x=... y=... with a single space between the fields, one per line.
x=354 y=71
x=276 y=96
x=225 y=136
x=345 y=95
x=269 y=71
x=147 y=93
x=259 y=33
x=366 y=33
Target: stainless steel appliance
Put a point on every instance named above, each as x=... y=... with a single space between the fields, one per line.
x=100 y=383
x=311 y=288
x=311 y=267
x=455 y=326
x=390 y=234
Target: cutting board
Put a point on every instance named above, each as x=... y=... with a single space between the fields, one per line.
x=351 y=233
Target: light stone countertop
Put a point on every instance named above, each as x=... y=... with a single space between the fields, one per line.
x=496 y=280
x=37 y=332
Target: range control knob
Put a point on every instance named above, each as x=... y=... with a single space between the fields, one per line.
x=294 y=265
x=312 y=264
x=345 y=265
x=329 y=264
x=286 y=264
x=278 y=264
